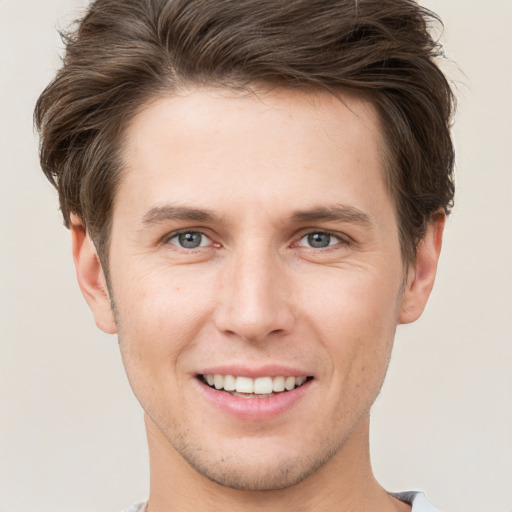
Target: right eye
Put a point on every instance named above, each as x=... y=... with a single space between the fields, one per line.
x=189 y=240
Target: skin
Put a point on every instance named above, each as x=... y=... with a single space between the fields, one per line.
x=256 y=292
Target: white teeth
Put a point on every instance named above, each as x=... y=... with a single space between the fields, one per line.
x=229 y=383
x=278 y=384
x=218 y=381
x=262 y=386
x=299 y=381
x=244 y=385
x=289 y=383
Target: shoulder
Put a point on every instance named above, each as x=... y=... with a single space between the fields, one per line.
x=417 y=499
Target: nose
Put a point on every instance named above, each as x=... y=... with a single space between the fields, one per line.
x=254 y=300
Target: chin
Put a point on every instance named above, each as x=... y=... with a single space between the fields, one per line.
x=250 y=472
x=255 y=478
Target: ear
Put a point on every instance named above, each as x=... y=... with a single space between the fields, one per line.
x=91 y=277
x=421 y=274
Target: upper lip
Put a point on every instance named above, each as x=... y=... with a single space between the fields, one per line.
x=270 y=370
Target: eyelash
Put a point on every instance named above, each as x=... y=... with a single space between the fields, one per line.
x=340 y=240
x=167 y=239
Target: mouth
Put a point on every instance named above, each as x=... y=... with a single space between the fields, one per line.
x=247 y=387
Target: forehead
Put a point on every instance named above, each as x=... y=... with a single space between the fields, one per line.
x=207 y=145
x=185 y=113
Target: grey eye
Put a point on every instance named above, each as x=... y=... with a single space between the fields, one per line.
x=189 y=240
x=319 y=240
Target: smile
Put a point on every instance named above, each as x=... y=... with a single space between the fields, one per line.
x=255 y=394
x=246 y=387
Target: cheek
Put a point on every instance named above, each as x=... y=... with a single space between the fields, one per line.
x=158 y=318
x=355 y=318
x=157 y=326
x=356 y=301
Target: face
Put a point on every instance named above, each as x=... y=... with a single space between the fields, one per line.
x=257 y=277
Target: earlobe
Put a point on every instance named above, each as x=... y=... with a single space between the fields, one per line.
x=421 y=275
x=91 y=277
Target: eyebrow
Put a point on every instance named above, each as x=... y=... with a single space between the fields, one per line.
x=169 y=212
x=338 y=213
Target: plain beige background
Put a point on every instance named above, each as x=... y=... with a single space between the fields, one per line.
x=71 y=434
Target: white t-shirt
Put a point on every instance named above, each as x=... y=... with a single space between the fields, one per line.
x=417 y=499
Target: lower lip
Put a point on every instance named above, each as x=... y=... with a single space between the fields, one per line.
x=255 y=409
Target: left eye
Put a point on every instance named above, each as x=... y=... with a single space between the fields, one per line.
x=189 y=240
x=319 y=240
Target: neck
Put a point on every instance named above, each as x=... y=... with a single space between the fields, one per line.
x=344 y=483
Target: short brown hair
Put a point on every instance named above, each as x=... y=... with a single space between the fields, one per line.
x=126 y=52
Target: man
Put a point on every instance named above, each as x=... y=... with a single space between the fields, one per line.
x=256 y=192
